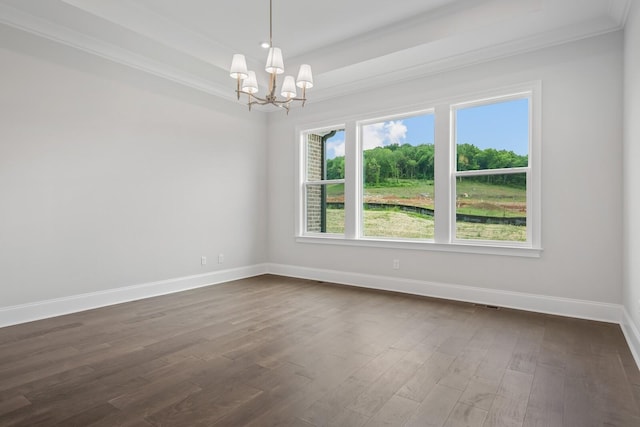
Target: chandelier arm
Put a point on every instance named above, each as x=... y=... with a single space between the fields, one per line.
x=283 y=104
x=260 y=101
x=288 y=100
x=253 y=99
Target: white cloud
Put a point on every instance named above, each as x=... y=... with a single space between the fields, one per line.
x=396 y=131
x=335 y=148
x=383 y=133
x=372 y=136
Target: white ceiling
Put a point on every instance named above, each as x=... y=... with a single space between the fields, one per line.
x=350 y=44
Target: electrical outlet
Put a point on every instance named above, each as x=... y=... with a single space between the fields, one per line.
x=203 y=260
x=396 y=264
x=220 y=258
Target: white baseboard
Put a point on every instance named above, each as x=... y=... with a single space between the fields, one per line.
x=23 y=313
x=632 y=334
x=613 y=313
x=530 y=302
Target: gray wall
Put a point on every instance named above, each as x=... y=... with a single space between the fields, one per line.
x=632 y=165
x=581 y=180
x=110 y=177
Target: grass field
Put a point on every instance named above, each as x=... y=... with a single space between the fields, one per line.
x=474 y=198
x=411 y=226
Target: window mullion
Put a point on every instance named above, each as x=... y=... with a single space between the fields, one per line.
x=353 y=182
x=485 y=172
x=442 y=175
x=325 y=182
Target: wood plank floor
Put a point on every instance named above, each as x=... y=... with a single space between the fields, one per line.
x=273 y=351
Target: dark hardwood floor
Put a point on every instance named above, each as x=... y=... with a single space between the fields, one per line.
x=273 y=351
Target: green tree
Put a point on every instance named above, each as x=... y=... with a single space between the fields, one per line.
x=372 y=172
x=394 y=162
x=335 y=168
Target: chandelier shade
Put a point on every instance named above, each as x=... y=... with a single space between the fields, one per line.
x=238 y=67
x=305 y=78
x=275 y=63
x=250 y=84
x=247 y=82
x=289 y=87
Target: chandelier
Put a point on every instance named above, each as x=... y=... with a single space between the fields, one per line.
x=248 y=84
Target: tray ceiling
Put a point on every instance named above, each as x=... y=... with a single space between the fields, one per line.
x=351 y=45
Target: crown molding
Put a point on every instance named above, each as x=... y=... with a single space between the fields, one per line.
x=66 y=36
x=435 y=53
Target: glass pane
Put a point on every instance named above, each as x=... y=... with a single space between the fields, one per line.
x=398 y=164
x=492 y=207
x=325 y=208
x=396 y=222
x=334 y=155
x=325 y=155
x=493 y=136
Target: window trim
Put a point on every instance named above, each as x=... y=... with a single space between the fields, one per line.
x=359 y=183
x=533 y=226
x=444 y=233
x=305 y=183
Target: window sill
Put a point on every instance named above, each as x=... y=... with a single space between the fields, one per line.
x=489 y=248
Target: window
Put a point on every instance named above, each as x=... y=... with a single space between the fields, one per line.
x=461 y=175
x=492 y=166
x=398 y=186
x=324 y=181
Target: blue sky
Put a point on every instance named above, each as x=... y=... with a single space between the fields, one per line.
x=502 y=125
x=335 y=145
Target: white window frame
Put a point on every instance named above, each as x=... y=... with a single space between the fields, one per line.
x=444 y=177
x=532 y=226
x=360 y=181
x=306 y=183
